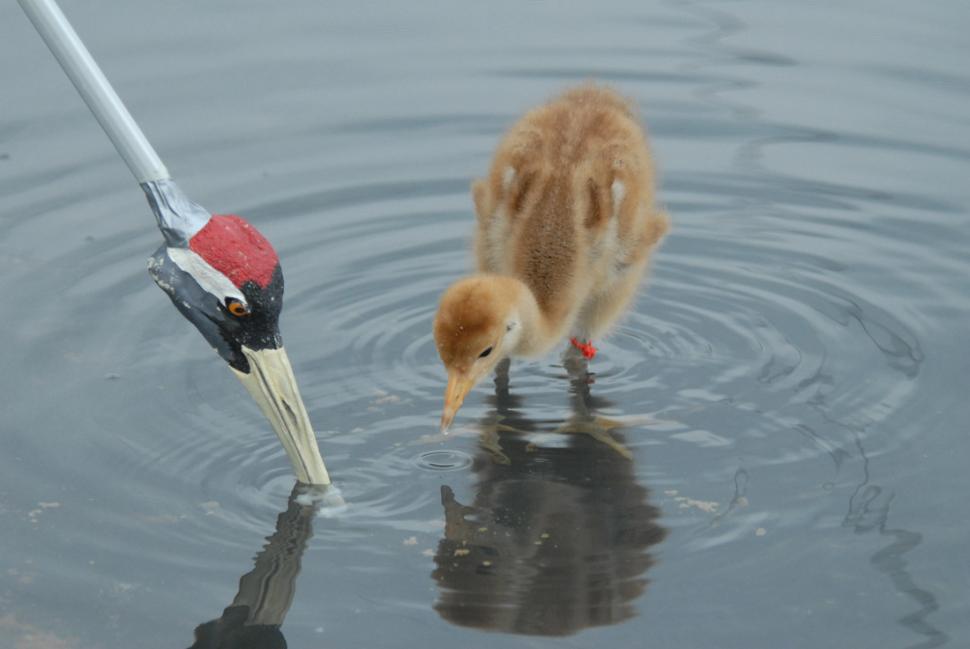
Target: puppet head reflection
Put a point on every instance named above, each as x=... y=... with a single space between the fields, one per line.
x=254 y=618
x=556 y=539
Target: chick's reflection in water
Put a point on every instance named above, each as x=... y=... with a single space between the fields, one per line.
x=557 y=537
x=254 y=618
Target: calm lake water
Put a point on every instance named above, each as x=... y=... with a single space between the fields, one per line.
x=773 y=452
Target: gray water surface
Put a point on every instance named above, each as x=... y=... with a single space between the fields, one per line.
x=773 y=448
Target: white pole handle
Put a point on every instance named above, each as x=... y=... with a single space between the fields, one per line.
x=94 y=88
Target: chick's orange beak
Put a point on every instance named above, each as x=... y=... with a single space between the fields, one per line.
x=458 y=386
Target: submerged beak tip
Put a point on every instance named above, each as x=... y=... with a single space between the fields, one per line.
x=447 y=416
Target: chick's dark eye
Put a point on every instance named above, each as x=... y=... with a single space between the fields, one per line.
x=488 y=350
x=236 y=307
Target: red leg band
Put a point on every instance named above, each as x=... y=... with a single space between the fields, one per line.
x=586 y=349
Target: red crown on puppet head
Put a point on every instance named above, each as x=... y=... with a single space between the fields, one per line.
x=236 y=249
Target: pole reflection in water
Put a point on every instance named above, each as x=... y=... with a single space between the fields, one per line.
x=557 y=537
x=254 y=618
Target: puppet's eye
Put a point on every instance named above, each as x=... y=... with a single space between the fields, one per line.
x=236 y=307
x=488 y=350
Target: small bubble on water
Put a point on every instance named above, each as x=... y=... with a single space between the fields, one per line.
x=443 y=460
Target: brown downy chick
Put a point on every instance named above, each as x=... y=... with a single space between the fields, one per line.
x=566 y=224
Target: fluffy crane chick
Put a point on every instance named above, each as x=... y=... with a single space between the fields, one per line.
x=567 y=221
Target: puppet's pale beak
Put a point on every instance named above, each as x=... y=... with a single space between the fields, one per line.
x=271 y=383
